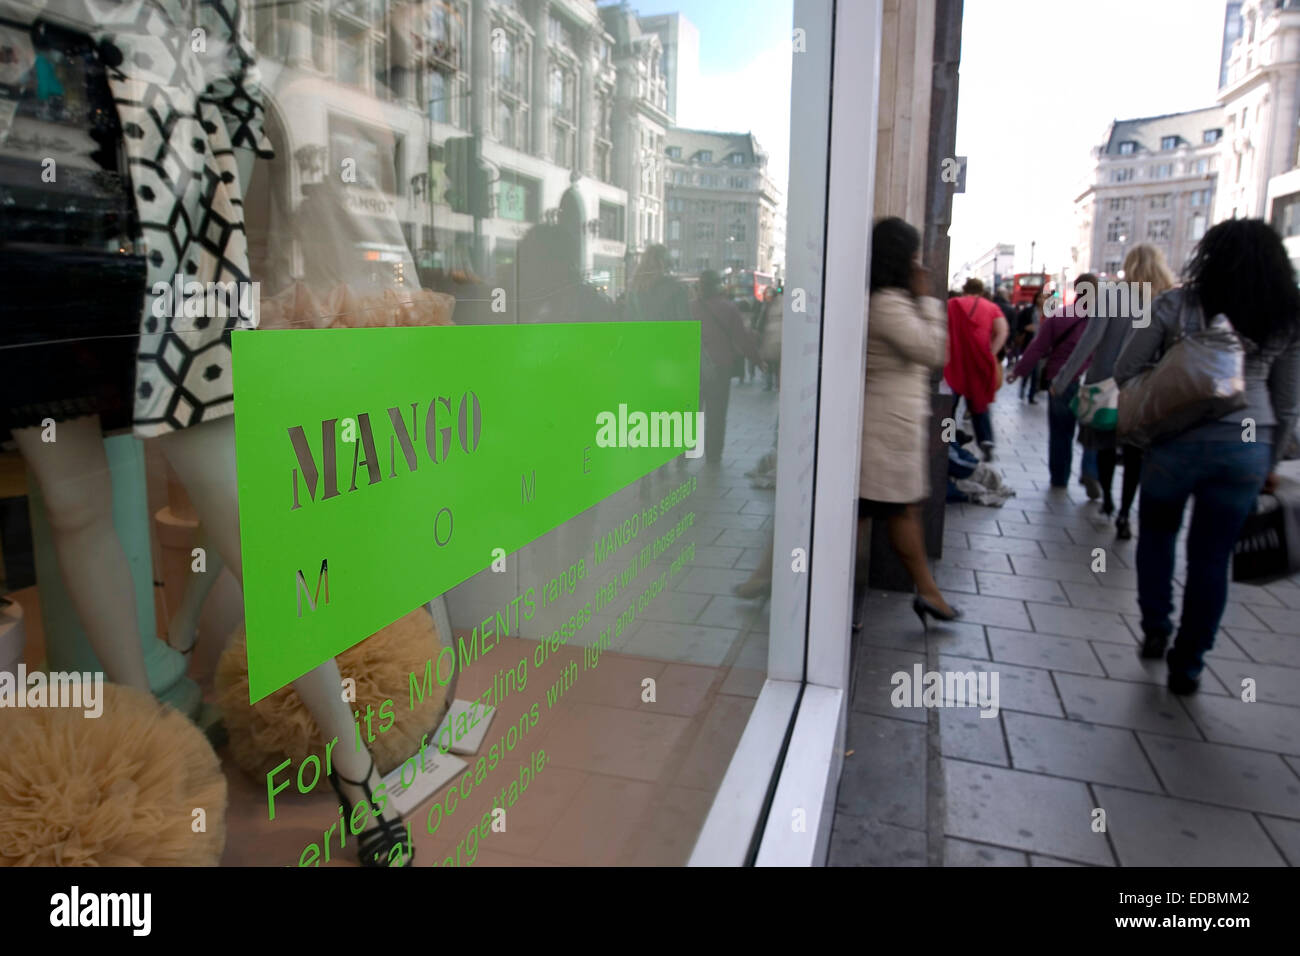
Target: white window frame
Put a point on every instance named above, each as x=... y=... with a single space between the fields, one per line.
x=811 y=676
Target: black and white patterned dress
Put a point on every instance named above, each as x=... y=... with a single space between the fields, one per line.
x=183 y=74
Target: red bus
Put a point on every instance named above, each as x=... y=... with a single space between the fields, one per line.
x=1026 y=285
x=747 y=285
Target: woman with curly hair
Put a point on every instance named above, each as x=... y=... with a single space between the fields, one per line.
x=1239 y=270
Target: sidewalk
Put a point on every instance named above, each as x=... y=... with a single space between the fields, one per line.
x=1085 y=725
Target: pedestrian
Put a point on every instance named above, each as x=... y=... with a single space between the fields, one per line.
x=1056 y=340
x=977 y=330
x=1028 y=320
x=1240 y=269
x=906 y=340
x=654 y=294
x=768 y=331
x=725 y=342
x=551 y=286
x=1008 y=313
x=1103 y=339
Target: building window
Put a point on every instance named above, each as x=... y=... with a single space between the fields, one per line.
x=1200 y=197
x=1127 y=148
x=1201 y=166
x=738 y=182
x=1163 y=170
x=1286 y=214
x=349 y=51
x=1169 y=142
x=703 y=262
x=704 y=230
x=674 y=230
x=611 y=222
x=1121 y=175
x=1112 y=267
x=1160 y=201
x=1116 y=231
x=1158 y=229
x=737 y=232
x=1211 y=136
x=737 y=159
x=704 y=156
x=674 y=152
x=709 y=181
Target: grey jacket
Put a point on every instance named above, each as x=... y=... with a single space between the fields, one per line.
x=1272 y=376
x=1103 y=339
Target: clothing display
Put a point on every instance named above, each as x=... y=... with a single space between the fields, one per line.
x=72 y=285
x=183 y=114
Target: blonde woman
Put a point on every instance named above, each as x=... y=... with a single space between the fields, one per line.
x=1103 y=340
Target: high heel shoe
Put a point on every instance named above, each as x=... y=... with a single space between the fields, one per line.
x=924 y=610
x=374 y=846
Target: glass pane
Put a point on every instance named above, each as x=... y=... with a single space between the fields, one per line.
x=579 y=207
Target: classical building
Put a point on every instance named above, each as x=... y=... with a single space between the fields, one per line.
x=1260 y=98
x=640 y=125
x=680 y=42
x=721 y=203
x=1153 y=180
x=994 y=268
x=559 y=100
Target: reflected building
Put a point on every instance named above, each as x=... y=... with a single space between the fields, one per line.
x=555 y=103
x=722 y=205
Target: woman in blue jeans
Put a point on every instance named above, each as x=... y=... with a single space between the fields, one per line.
x=1240 y=269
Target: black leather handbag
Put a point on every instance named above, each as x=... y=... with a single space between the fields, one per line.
x=1269 y=545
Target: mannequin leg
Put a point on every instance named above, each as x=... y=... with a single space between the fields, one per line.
x=182 y=629
x=74 y=478
x=204 y=459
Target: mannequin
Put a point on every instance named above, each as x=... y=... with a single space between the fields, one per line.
x=73 y=475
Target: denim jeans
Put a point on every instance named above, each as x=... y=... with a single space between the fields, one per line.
x=1088 y=466
x=1060 y=436
x=982 y=422
x=1224 y=478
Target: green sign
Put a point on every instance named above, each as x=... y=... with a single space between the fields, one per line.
x=379 y=468
x=512 y=201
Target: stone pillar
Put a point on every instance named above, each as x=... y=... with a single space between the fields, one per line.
x=540 y=99
x=921 y=53
x=300 y=45
x=587 y=119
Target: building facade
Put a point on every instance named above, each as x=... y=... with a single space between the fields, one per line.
x=680 y=42
x=1153 y=180
x=555 y=104
x=1260 y=99
x=722 y=206
x=640 y=125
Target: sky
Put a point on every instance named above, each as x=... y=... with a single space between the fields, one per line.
x=1040 y=82
x=744 y=83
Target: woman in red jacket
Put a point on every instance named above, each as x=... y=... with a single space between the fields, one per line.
x=977 y=330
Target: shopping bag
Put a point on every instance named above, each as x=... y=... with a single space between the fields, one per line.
x=1201 y=378
x=1268 y=547
x=1097 y=405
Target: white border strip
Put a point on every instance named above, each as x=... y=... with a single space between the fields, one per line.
x=810 y=777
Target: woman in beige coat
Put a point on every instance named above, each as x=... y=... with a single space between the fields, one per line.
x=907 y=339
